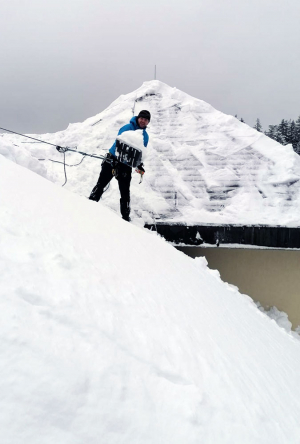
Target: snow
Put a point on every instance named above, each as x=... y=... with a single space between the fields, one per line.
x=133 y=138
x=202 y=165
x=281 y=318
x=110 y=335
x=22 y=157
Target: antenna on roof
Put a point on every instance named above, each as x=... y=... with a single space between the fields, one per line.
x=154 y=72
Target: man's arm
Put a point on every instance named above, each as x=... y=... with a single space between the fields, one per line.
x=146 y=138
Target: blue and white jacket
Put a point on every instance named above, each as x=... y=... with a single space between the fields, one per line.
x=132 y=126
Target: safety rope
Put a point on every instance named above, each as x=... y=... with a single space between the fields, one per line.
x=28 y=137
x=60 y=149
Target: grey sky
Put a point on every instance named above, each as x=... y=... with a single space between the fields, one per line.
x=63 y=61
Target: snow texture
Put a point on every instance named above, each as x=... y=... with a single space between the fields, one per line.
x=202 y=166
x=134 y=139
x=110 y=335
x=281 y=319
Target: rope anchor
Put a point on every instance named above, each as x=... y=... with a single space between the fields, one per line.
x=61 y=149
x=64 y=149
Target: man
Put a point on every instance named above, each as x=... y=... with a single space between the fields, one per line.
x=110 y=166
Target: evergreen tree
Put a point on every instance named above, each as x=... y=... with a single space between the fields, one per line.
x=283 y=131
x=272 y=132
x=275 y=134
x=297 y=123
x=292 y=134
x=242 y=120
x=258 y=126
x=287 y=132
x=279 y=137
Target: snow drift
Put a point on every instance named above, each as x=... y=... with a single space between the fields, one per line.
x=109 y=335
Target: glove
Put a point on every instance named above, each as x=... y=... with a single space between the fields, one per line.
x=140 y=169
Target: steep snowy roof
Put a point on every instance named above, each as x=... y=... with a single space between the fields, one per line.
x=202 y=165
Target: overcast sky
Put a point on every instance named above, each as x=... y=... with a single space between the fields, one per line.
x=63 y=61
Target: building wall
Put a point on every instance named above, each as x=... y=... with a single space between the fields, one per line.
x=271 y=277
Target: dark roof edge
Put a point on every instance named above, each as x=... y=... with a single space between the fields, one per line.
x=258 y=235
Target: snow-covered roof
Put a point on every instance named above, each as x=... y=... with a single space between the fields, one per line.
x=202 y=166
x=109 y=335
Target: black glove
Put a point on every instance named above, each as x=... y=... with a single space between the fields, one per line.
x=140 y=169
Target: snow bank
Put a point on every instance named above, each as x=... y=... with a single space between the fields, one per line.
x=109 y=334
x=21 y=157
x=281 y=318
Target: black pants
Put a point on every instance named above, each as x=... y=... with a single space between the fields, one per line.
x=124 y=178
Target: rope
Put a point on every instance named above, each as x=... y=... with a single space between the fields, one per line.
x=58 y=161
x=60 y=149
x=65 y=170
x=65 y=164
x=28 y=137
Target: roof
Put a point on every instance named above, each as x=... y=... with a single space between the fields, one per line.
x=202 y=166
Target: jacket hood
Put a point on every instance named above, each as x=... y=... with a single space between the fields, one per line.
x=133 y=121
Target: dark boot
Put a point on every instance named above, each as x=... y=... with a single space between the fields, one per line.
x=96 y=193
x=104 y=178
x=125 y=210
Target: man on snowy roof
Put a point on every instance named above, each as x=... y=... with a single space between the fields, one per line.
x=112 y=167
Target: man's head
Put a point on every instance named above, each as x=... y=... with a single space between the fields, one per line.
x=143 y=118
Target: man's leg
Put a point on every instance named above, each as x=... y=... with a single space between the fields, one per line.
x=124 y=179
x=105 y=177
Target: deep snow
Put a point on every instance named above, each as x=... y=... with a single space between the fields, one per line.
x=202 y=166
x=110 y=335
